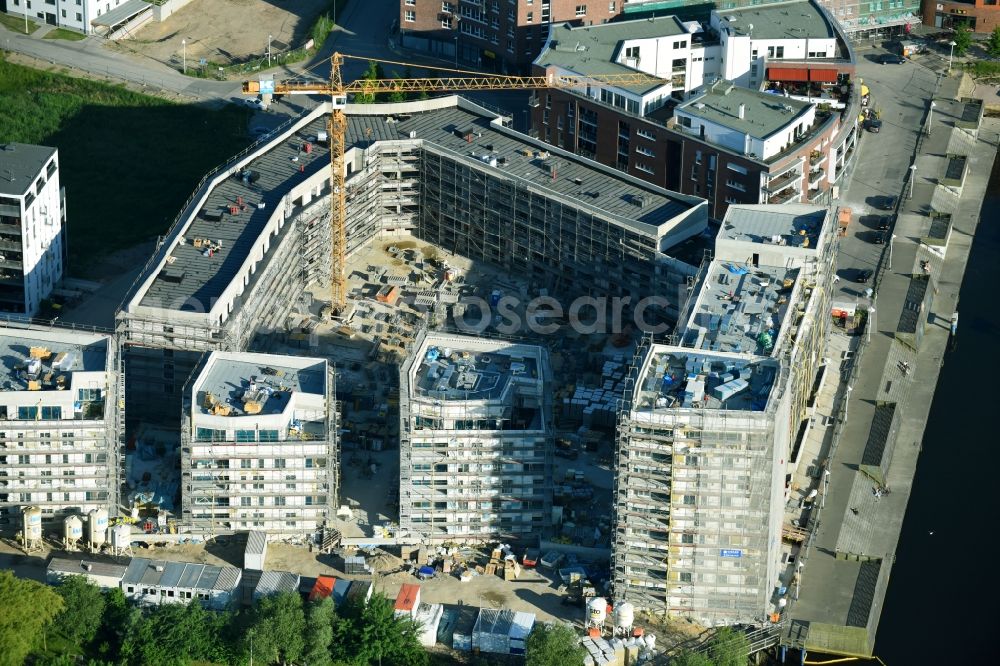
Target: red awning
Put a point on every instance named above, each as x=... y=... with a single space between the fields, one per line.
x=787 y=74
x=823 y=75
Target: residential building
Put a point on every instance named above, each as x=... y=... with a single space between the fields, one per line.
x=32 y=227
x=154 y=582
x=59 y=423
x=257 y=232
x=259 y=445
x=686 y=133
x=715 y=418
x=860 y=19
x=475 y=451
x=497 y=35
x=86 y=16
x=977 y=15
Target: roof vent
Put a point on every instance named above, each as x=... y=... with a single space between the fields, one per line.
x=159 y=568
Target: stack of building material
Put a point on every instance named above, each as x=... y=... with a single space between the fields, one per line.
x=428 y=616
x=601 y=652
x=511 y=569
x=355 y=564
x=597 y=406
x=407 y=601
x=492 y=631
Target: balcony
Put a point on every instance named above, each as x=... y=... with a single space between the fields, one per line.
x=788 y=178
x=815 y=176
x=815 y=157
x=784 y=197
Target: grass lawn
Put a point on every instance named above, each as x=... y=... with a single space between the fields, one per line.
x=128 y=161
x=68 y=35
x=16 y=23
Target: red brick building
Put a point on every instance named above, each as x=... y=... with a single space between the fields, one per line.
x=977 y=15
x=497 y=35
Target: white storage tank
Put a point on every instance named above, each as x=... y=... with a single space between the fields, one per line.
x=72 y=529
x=120 y=535
x=597 y=610
x=97 y=527
x=624 y=615
x=32 y=516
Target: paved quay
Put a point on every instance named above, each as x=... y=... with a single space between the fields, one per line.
x=890 y=377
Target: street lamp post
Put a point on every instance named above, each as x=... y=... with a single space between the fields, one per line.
x=951 y=53
x=269 y=38
x=871 y=319
x=913 y=178
x=891 y=239
x=184 y=56
x=930 y=117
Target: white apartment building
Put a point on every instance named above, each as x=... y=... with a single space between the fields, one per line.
x=58 y=422
x=475 y=439
x=32 y=227
x=713 y=420
x=86 y=16
x=259 y=444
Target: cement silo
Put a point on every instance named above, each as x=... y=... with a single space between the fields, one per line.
x=97 y=527
x=72 y=530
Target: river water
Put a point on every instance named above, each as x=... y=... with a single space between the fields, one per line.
x=941 y=603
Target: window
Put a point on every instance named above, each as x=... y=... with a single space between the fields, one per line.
x=411 y=3
x=52 y=413
x=632 y=52
x=27 y=413
x=530 y=17
x=739 y=187
x=279 y=463
x=246 y=435
x=79 y=16
x=611 y=7
x=697 y=157
x=581 y=10
x=410 y=16
x=685 y=577
x=210 y=435
x=642 y=167
x=64 y=13
x=88 y=395
x=679 y=45
x=642 y=150
x=689 y=499
x=446 y=23
x=687 y=538
x=267 y=436
x=737 y=168
x=644 y=134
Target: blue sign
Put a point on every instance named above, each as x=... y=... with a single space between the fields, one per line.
x=731 y=553
x=267 y=87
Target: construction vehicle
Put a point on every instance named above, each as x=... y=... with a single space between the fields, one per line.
x=339 y=91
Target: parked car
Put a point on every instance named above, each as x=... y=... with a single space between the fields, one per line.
x=879 y=238
x=873 y=125
x=889 y=203
x=255 y=103
x=864 y=276
x=891 y=59
x=884 y=222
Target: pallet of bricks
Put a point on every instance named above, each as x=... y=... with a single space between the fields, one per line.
x=602 y=652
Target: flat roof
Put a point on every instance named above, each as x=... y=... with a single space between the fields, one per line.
x=578 y=179
x=786 y=20
x=217 y=242
x=189 y=575
x=459 y=374
x=676 y=378
x=269 y=380
x=46 y=360
x=764 y=114
x=20 y=166
x=740 y=308
x=593 y=49
x=776 y=224
x=121 y=13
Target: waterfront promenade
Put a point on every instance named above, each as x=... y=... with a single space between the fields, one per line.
x=882 y=406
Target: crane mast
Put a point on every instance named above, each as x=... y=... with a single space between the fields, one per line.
x=337 y=126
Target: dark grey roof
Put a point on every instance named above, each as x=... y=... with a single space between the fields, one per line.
x=76 y=566
x=272 y=582
x=759 y=223
x=879 y=433
x=20 y=165
x=763 y=114
x=786 y=20
x=445 y=128
x=914 y=304
x=188 y=575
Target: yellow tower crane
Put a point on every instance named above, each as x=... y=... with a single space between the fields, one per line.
x=339 y=91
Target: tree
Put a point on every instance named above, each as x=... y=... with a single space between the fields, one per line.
x=278 y=624
x=689 y=658
x=963 y=39
x=117 y=621
x=28 y=610
x=993 y=45
x=174 y=633
x=375 y=635
x=554 y=645
x=82 y=610
x=397 y=95
x=373 y=72
x=319 y=632
x=728 y=648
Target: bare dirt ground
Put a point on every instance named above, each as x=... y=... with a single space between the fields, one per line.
x=226 y=31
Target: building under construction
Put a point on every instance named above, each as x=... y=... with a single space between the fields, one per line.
x=259 y=444
x=257 y=231
x=59 y=445
x=475 y=439
x=712 y=422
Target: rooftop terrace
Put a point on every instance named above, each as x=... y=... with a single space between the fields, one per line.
x=795 y=225
x=740 y=308
x=231 y=387
x=675 y=378
x=453 y=374
x=47 y=361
